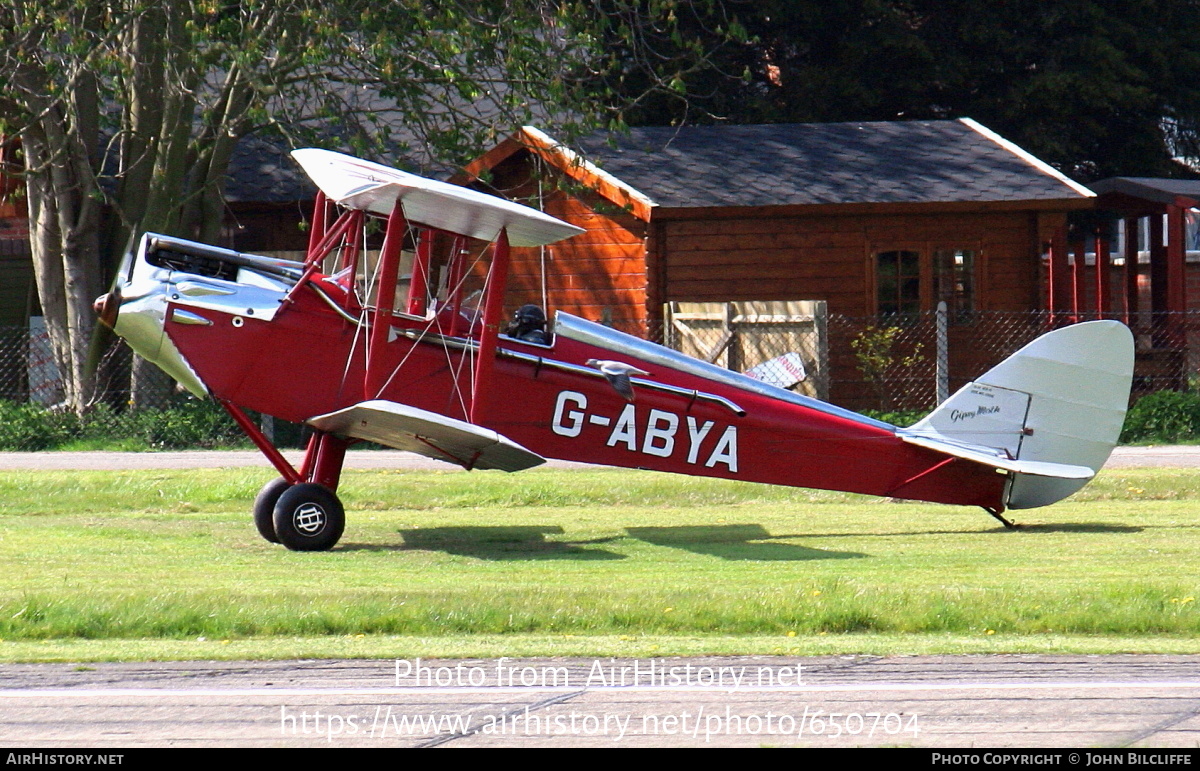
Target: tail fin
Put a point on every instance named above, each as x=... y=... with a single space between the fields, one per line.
x=1049 y=414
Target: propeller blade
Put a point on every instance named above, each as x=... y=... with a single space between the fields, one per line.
x=107 y=307
x=125 y=269
x=101 y=342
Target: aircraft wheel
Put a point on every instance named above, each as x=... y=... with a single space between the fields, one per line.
x=264 y=508
x=308 y=517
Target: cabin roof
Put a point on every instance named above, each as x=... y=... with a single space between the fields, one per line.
x=827 y=163
x=261 y=171
x=1154 y=189
x=759 y=165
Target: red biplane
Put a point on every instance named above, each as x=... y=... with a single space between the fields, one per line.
x=410 y=349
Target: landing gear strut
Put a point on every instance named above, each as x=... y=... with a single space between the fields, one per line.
x=300 y=509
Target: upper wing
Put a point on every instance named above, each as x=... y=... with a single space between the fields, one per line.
x=359 y=184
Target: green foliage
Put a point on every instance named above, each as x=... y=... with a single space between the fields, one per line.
x=1163 y=417
x=1095 y=87
x=192 y=424
x=877 y=351
x=28 y=427
x=901 y=418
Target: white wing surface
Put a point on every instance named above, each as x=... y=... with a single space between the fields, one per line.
x=372 y=187
x=429 y=434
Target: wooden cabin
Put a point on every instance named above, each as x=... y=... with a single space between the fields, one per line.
x=16 y=270
x=880 y=219
x=865 y=216
x=17 y=293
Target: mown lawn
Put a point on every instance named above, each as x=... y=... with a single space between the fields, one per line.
x=167 y=565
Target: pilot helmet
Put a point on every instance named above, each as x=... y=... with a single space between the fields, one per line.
x=530 y=317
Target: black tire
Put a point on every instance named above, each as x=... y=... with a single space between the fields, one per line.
x=309 y=517
x=264 y=508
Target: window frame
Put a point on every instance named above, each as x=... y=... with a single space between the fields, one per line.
x=958 y=315
x=929 y=289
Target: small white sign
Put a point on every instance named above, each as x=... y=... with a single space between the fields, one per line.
x=983 y=414
x=784 y=371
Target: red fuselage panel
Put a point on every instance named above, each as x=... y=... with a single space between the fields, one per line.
x=310 y=361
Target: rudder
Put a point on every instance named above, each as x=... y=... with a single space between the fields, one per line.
x=1059 y=400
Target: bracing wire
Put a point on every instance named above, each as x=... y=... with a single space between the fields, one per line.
x=468 y=358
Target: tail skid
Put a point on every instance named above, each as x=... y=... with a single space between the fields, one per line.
x=1049 y=415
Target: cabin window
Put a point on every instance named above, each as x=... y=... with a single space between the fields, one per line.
x=954 y=277
x=911 y=281
x=898 y=282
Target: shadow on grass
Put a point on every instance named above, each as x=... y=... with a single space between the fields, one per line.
x=1079 y=527
x=733 y=542
x=504 y=543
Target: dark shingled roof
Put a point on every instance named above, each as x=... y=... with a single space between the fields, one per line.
x=823 y=163
x=262 y=171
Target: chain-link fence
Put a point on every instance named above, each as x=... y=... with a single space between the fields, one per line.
x=879 y=364
x=127 y=403
x=29 y=372
x=892 y=363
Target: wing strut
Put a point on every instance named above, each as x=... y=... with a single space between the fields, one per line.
x=418 y=286
x=316 y=230
x=493 y=312
x=385 y=298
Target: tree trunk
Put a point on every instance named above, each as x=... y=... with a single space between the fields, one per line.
x=64 y=226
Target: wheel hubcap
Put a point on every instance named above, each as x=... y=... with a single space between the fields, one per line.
x=309 y=519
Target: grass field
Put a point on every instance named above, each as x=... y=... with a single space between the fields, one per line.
x=142 y=565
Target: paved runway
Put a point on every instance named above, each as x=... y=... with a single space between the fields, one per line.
x=1185 y=456
x=844 y=701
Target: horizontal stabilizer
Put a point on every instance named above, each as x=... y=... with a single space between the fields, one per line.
x=359 y=184
x=427 y=433
x=1037 y=468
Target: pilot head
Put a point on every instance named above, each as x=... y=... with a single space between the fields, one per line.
x=529 y=317
x=528 y=324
